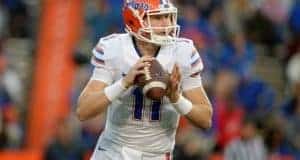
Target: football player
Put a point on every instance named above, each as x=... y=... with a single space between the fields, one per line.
x=136 y=127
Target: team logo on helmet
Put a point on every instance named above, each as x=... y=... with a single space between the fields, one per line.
x=136 y=5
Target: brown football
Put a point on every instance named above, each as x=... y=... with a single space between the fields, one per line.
x=154 y=81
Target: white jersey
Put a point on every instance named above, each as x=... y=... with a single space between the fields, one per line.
x=133 y=120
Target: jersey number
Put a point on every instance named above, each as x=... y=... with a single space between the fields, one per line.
x=139 y=105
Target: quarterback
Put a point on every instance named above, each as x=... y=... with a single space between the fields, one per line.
x=138 y=128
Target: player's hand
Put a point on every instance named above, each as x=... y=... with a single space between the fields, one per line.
x=173 y=86
x=137 y=69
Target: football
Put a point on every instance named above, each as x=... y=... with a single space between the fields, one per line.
x=154 y=81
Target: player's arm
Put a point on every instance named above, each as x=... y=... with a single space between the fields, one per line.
x=92 y=100
x=193 y=103
x=97 y=94
x=201 y=112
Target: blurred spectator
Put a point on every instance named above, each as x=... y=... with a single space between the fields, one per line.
x=217 y=26
x=257 y=97
x=260 y=30
x=192 y=143
x=193 y=25
x=294 y=20
x=10 y=129
x=291 y=108
x=237 y=12
x=188 y=148
x=206 y=7
x=248 y=146
x=101 y=21
x=238 y=56
x=206 y=34
x=65 y=145
x=80 y=59
x=276 y=10
x=210 y=54
x=3 y=20
x=18 y=18
x=228 y=113
x=293 y=74
x=9 y=78
x=116 y=7
x=276 y=144
x=292 y=48
x=268 y=24
x=293 y=42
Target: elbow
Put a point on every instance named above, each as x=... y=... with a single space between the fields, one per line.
x=207 y=123
x=82 y=110
x=86 y=111
x=79 y=114
x=79 y=110
x=202 y=117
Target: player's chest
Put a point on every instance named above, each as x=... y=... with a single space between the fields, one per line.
x=128 y=59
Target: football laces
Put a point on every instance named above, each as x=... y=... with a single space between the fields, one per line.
x=147 y=73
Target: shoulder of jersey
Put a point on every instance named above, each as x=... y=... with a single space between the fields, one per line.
x=109 y=46
x=189 y=55
x=185 y=47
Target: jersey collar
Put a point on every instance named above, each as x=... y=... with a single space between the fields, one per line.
x=137 y=49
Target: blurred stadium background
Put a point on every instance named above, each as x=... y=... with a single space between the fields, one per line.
x=251 y=52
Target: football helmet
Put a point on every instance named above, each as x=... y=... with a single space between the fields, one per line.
x=136 y=12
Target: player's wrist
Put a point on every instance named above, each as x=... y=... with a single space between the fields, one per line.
x=124 y=83
x=113 y=91
x=174 y=97
x=183 y=105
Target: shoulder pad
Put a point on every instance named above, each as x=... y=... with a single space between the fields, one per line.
x=185 y=46
x=108 y=46
x=189 y=56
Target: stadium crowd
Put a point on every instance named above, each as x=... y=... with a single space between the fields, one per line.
x=251 y=53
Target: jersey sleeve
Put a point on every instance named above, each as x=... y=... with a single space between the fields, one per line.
x=98 y=57
x=192 y=73
x=102 y=61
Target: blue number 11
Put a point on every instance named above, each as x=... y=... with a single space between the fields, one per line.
x=139 y=105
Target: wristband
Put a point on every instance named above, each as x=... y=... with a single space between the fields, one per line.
x=183 y=105
x=114 y=91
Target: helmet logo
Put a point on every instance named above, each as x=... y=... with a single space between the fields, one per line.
x=140 y=5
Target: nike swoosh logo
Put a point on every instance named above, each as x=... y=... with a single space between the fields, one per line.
x=101 y=149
